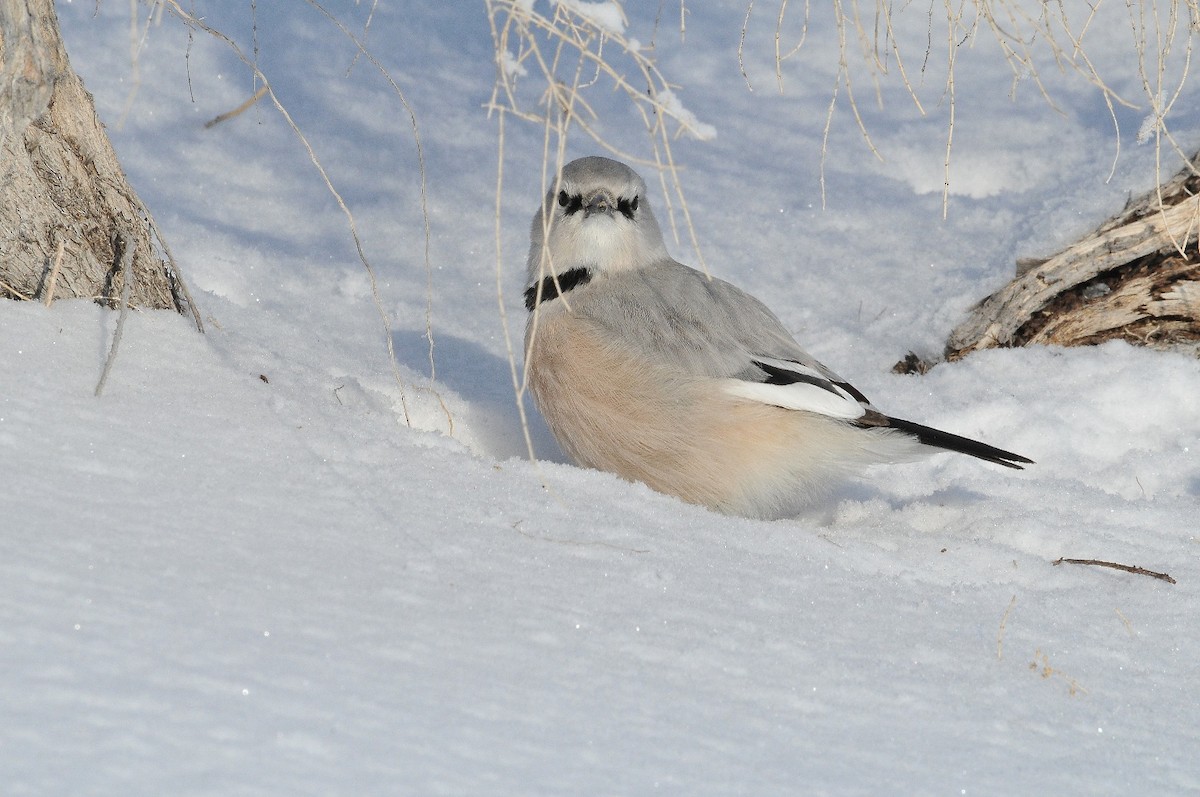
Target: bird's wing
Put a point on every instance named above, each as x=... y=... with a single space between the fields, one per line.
x=795 y=385
x=706 y=327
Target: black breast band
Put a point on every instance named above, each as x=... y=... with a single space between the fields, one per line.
x=552 y=287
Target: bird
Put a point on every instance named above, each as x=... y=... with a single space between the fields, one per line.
x=662 y=374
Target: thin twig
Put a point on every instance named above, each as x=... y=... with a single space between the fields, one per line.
x=58 y=258
x=425 y=219
x=182 y=294
x=4 y=285
x=527 y=40
x=174 y=7
x=127 y=248
x=517 y=377
x=179 y=289
x=225 y=117
x=1141 y=571
x=742 y=45
x=366 y=29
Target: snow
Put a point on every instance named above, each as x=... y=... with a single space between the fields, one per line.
x=674 y=106
x=605 y=15
x=240 y=571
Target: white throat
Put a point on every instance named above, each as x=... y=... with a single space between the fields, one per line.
x=605 y=243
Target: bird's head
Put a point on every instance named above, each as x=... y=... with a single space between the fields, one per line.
x=595 y=217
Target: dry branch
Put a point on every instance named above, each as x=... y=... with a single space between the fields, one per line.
x=1136 y=277
x=1140 y=571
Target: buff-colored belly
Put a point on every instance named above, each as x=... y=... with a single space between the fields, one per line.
x=681 y=435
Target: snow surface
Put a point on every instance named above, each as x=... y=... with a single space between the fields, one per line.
x=241 y=572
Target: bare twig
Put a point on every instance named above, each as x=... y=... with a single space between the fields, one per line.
x=742 y=45
x=1027 y=34
x=50 y=283
x=192 y=21
x=570 y=41
x=225 y=117
x=1141 y=571
x=179 y=284
x=4 y=285
x=366 y=29
x=127 y=247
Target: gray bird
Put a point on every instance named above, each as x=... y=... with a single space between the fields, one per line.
x=654 y=371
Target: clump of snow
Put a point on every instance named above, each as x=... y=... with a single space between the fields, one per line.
x=1152 y=122
x=604 y=14
x=671 y=103
x=511 y=66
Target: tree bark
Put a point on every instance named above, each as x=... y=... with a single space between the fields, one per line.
x=67 y=212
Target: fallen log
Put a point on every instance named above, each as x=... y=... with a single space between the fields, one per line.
x=1136 y=277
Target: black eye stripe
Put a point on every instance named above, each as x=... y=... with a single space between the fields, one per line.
x=570 y=202
x=574 y=202
x=627 y=206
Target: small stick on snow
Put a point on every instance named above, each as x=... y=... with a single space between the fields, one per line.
x=1141 y=571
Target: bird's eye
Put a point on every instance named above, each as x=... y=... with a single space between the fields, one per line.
x=563 y=199
x=634 y=203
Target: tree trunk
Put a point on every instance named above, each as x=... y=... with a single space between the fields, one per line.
x=67 y=213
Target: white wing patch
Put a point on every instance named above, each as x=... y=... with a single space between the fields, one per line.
x=804 y=388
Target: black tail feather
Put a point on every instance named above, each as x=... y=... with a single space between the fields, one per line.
x=963 y=445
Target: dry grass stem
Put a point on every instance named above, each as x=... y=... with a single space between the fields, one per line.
x=193 y=22
x=425 y=222
x=742 y=47
x=573 y=54
x=225 y=117
x=365 y=31
x=137 y=39
x=1029 y=35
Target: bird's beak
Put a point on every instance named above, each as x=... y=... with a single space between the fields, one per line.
x=599 y=202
